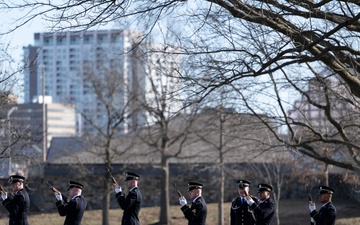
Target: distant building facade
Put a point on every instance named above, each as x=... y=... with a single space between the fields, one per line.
x=65 y=60
x=310 y=110
x=60 y=119
x=22 y=128
x=325 y=111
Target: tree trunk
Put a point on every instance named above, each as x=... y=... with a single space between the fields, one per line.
x=106 y=204
x=164 y=199
x=221 y=195
x=326 y=174
x=277 y=203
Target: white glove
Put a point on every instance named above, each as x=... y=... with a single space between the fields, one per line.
x=182 y=201
x=312 y=220
x=250 y=201
x=4 y=196
x=118 y=189
x=58 y=196
x=312 y=207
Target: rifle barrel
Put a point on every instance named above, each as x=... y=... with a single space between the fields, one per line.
x=177 y=190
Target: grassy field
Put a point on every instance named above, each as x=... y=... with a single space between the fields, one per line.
x=291 y=213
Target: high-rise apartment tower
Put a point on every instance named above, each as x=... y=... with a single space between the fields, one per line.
x=66 y=66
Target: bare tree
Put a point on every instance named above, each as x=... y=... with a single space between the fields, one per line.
x=229 y=39
x=273 y=172
x=267 y=51
x=236 y=138
x=105 y=115
x=218 y=133
x=269 y=66
x=215 y=123
x=164 y=129
x=16 y=142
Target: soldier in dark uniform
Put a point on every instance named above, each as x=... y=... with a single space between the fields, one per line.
x=264 y=209
x=196 y=214
x=18 y=206
x=327 y=213
x=74 y=208
x=131 y=204
x=240 y=212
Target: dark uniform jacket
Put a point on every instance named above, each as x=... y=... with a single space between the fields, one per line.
x=131 y=204
x=18 y=207
x=326 y=215
x=196 y=214
x=240 y=213
x=264 y=211
x=73 y=210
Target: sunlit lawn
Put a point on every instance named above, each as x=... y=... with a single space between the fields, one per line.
x=291 y=213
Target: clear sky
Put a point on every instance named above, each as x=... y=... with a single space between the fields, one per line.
x=16 y=40
x=23 y=36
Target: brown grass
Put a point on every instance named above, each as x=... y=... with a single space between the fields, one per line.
x=291 y=213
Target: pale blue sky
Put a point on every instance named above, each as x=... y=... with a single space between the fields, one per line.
x=16 y=40
x=22 y=36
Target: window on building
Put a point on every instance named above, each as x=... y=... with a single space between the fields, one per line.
x=48 y=41
x=88 y=39
x=73 y=68
x=74 y=40
x=61 y=40
x=102 y=39
x=115 y=38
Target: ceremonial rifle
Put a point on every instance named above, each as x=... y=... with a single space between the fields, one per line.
x=255 y=200
x=56 y=191
x=310 y=198
x=311 y=201
x=2 y=189
x=179 y=193
x=113 y=179
x=53 y=188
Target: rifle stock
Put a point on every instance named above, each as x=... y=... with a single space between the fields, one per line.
x=2 y=189
x=246 y=193
x=53 y=188
x=310 y=198
x=56 y=191
x=113 y=179
x=311 y=201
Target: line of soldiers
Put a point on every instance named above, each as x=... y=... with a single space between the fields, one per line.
x=245 y=209
x=74 y=208
x=250 y=210
x=19 y=204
